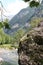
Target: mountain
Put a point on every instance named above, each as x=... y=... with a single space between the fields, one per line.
x=22 y=19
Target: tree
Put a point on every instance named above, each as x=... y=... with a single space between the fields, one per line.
x=33 y=3
x=4 y=24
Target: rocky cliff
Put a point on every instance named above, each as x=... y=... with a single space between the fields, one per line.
x=30 y=49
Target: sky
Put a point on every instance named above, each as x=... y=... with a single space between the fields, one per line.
x=13 y=6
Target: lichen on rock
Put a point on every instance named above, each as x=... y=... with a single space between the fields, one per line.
x=30 y=50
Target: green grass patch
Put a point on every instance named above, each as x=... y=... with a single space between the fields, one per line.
x=8 y=46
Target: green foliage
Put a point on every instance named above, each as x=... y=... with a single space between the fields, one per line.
x=4 y=38
x=26 y=0
x=34 y=22
x=36 y=4
x=4 y=24
x=18 y=35
x=1 y=25
x=33 y=3
x=7 y=41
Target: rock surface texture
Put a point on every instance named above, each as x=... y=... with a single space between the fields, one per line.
x=30 y=50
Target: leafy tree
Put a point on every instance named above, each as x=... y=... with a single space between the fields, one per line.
x=4 y=24
x=33 y=2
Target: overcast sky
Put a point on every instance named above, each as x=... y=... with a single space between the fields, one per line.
x=13 y=6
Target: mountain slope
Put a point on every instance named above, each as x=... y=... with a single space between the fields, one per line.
x=23 y=17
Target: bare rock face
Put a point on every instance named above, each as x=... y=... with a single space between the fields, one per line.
x=30 y=50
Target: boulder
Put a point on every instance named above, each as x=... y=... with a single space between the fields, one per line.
x=30 y=50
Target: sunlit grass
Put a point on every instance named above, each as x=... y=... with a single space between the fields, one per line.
x=7 y=46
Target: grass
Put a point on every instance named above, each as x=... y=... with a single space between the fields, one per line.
x=7 y=46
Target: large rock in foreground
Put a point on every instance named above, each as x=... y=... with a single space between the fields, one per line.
x=30 y=50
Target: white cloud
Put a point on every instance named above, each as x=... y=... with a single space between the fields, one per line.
x=14 y=7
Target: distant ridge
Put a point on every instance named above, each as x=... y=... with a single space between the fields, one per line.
x=23 y=17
